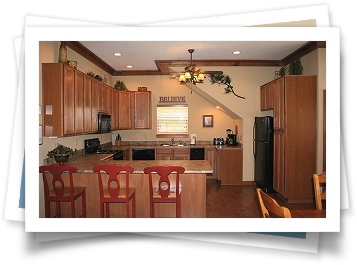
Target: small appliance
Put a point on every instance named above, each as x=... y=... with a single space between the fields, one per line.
x=104 y=123
x=193 y=138
x=231 y=138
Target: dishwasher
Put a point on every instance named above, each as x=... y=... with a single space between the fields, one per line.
x=197 y=153
x=143 y=153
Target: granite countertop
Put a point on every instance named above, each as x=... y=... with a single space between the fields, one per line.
x=86 y=162
x=218 y=147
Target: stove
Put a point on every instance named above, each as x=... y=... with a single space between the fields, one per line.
x=92 y=146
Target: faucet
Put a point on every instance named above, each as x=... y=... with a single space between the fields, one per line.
x=173 y=141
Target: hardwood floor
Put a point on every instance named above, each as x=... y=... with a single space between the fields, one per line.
x=233 y=201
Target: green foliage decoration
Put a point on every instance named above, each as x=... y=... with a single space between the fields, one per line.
x=296 y=68
x=223 y=80
x=120 y=86
x=61 y=151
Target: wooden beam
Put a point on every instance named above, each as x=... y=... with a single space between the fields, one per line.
x=136 y=72
x=307 y=48
x=90 y=56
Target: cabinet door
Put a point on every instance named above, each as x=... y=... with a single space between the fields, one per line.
x=87 y=94
x=164 y=153
x=68 y=100
x=279 y=162
x=78 y=102
x=95 y=105
x=181 y=154
x=124 y=110
x=269 y=95
x=263 y=97
x=100 y=96
x=279 y=105
x=115 y=119
x=210 y=155
x=142 y=110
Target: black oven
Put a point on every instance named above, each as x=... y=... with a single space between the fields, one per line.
x=104 y=123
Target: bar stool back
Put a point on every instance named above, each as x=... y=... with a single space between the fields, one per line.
x=60 y=193
x=165 y=192
x=117 y=194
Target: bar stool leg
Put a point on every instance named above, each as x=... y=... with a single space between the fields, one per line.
x=178 y=207
x=84 y=205
x=133 y=206
x=72 y=208
x=58 y=207
x=107 y=209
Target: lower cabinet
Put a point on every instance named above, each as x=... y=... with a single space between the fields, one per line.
x=211 y=157
x=172 y=154
x=230 y=166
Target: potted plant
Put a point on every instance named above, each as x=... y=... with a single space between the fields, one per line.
x=120 y=86
x=296 y=68
x=90 y=73
x=62 y=154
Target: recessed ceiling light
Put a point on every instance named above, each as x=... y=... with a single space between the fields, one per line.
x=117 y=54
x=236 y=52
x=129 y=66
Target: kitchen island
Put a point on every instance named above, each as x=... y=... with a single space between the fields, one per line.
x=193 y=182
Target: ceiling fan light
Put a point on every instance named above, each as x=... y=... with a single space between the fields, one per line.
x=187 y=75
x=201 y=77
x=182 y=78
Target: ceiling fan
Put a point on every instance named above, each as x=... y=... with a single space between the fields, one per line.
x=194 y=74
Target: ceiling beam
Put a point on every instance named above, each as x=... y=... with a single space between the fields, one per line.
x=90 y=56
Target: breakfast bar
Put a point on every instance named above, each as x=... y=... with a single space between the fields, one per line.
x=193 y=182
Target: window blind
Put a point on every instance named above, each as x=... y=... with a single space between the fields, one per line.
x=172 y=119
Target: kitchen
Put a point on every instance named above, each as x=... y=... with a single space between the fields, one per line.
x=233 y=113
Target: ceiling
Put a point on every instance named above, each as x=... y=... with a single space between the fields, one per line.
x=142 y=55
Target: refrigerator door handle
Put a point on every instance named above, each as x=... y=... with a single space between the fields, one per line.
x=254 y=149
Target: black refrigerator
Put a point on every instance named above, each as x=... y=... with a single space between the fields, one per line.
x=263 y=151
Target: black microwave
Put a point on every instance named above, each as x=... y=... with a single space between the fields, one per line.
x=104 y=123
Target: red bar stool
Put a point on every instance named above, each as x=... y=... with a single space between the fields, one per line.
x=165 y=192
x=60 y=193
x=109 y=194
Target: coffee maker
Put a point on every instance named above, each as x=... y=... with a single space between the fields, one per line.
x=231 y=138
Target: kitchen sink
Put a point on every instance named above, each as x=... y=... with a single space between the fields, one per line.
x=175 y=144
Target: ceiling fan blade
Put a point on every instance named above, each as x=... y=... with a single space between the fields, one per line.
x=211 y=72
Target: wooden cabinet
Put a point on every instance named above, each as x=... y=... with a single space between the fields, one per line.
x=210 y=156
x=142 y=110
x=266 y=96
x=279 y=162
x=124 y=110
x=134 y=110
x=279 y=104
x=172 y=153
x=78 y=102
x=230 y=166
x=71 y=101
x=68 y=100
x=115 y=110
x=87 y=104
x=295 y=137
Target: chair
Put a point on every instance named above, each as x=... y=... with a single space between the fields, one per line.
x=319 y=179
x=60 y=193
x=109 y=194
x=165 y=191
x=270 y=208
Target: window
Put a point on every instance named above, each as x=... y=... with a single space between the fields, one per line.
x=172 y=121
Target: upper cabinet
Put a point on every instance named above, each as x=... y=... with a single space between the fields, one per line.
x=142 y=110
x=71 y=101
x=134 y=110
x=266 y=96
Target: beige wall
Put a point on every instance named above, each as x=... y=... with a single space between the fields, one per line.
x=245 y=80
x=163 y=86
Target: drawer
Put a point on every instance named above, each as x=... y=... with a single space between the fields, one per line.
x=181 y=151
x=163 y=150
